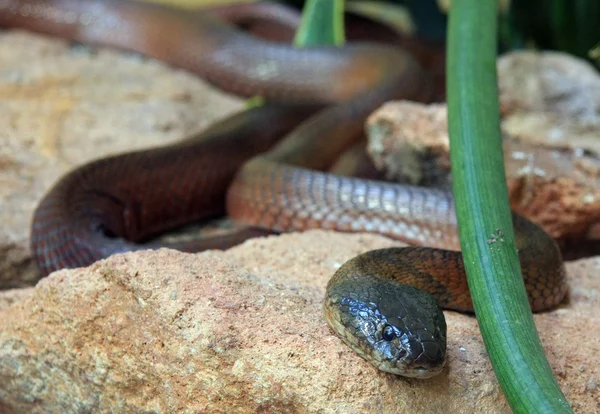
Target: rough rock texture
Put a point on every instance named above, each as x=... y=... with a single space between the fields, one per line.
x=62 y=106
x=550 y=98
x=242 y=331
x=553 y=172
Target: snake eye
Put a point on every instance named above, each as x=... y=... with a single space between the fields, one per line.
x=388 y=333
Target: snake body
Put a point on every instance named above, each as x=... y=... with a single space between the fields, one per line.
x=104 y=207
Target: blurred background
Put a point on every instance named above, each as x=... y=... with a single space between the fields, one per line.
x=572 y=26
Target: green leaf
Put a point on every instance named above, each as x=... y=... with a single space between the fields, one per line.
x=322 y=24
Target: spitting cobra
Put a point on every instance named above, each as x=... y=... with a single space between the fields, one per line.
x=384 y=304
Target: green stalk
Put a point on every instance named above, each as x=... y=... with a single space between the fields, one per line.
x=322 y=24
x=480 y=190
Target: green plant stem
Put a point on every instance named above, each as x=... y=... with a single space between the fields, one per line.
x=480 y=190
x=322 y=24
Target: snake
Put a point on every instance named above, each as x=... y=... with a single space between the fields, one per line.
x=267 y=167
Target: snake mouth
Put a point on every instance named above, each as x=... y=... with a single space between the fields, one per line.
x=412 y=371
x=423 y=372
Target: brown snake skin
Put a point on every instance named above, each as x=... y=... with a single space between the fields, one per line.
x=89 y=213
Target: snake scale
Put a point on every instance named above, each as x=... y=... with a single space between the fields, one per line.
x=319 y=100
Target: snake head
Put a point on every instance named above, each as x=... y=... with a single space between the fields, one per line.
x=399 y=330
x=406 y=347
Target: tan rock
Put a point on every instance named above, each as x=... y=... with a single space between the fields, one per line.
x=242 y=331
x=409 y=141
x=550 y=98
x=63 y=106
x=553 y=173
x=8 y=297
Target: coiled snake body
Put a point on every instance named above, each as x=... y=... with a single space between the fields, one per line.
x=109 y=205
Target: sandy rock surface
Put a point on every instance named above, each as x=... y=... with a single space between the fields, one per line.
x=550 y=98
x=242 y=331
x=62 y=106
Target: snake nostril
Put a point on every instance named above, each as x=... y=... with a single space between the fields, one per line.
x=105 y=231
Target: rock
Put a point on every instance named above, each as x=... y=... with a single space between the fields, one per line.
x=8 y=297
x=550 y=98
x=409 y=141
x=63 y=106
x=242 y=331
x=553 y=173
